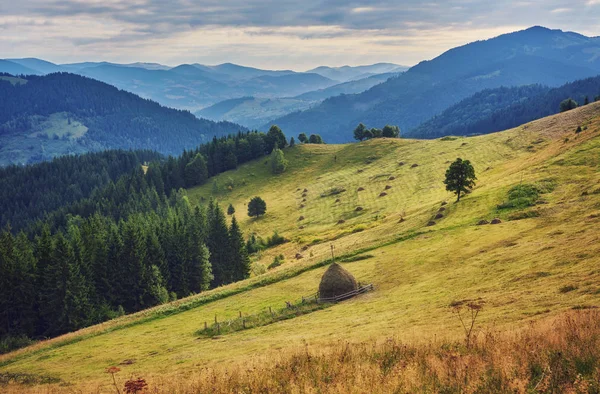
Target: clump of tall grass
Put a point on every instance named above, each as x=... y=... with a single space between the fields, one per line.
x=559 y=356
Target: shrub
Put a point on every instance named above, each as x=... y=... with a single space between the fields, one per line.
x=275 y=239
x=567 y=289
x=522 y=196
x=568 y=104
x=277 y=261
x=8 y=344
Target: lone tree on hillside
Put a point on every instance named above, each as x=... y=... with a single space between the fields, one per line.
x=568 y=104
x=359 y=132
x=256 y=207
x=460 y=177
x=230 y=210
x=390 y=131
x=292 y=142
x=278 y=161
x=302 y=138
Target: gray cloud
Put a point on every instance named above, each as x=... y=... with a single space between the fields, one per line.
x=395 y=24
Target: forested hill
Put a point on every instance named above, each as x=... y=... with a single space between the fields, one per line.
x=64 y=113
x=504 y=108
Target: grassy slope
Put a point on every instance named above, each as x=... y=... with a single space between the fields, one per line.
x=518 y=267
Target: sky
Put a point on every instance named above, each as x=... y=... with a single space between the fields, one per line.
x=272 y=34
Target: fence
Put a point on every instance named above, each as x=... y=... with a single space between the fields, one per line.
x=353 y=293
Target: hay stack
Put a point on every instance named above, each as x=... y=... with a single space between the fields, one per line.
x=392 y=178
x=496 y=221
x=382 y=194
x=360 y=189
x=439 y=216
x=414 y=165
x=387 y=187
x=336 y=281
x=482 y=222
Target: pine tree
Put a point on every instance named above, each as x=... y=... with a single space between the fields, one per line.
x=218 y=240
x=230 y=210
x=7 y=286
x=24 y=278
x=240 y=262
x=196 y=171
x=132 y=260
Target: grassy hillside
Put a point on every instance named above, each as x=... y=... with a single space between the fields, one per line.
x=539 y=262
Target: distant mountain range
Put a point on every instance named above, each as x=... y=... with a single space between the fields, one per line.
x=348 y=73
x=196 y=86
x=534 y=56
x=42 y=117
x=254 y=112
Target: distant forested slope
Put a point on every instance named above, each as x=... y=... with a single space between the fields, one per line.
x=63 y=113
x=504 y=108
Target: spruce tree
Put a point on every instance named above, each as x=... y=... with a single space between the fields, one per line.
x=196 y=171
x=218 y=240
x=240 y=262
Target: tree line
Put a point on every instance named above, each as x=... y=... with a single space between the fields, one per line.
x=362 y=132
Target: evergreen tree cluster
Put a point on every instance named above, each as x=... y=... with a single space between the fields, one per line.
x=195 y=167
x=29 y=192
x=84 y=184
x=128 y=238
x=96 y=268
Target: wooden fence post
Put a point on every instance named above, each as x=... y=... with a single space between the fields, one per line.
x=218 y=328
x=240 y=314
x=270 y=311
x=205 y=326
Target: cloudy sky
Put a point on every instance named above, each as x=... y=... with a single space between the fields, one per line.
x=275 y=34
